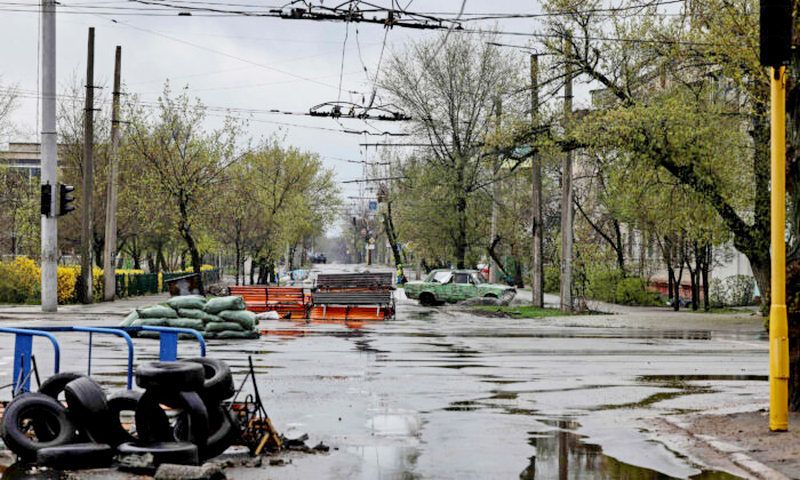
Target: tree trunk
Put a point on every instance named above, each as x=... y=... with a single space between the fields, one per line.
x=185 y=230
x=391 y=235
x=708 y=253
x=461 y=234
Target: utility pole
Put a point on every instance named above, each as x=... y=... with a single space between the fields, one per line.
x=49 y=148
x=88 y=176
x=776 y=52
x=566 y=199
x=537 y=271
x=110 y=250
x=493 y=267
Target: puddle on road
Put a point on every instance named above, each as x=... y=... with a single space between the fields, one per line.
x=563 y=455
x=695 y=378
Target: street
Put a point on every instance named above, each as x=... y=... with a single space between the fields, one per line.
x=443 y=393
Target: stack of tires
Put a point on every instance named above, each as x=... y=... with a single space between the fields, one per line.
x=87 y=431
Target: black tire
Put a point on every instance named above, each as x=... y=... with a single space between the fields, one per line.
x=218 y=385
x=171 y=376
x=427 y=299
x=126 y=401
x=88 y=408
x=28 y=413
x=53 y=386
x=490 y=295
x=179 y=453
x=225 y=430
x=76 y=456
x=152 y=424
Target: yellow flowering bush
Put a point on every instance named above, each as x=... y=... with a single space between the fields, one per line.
x=67 y=280
x=19 y=281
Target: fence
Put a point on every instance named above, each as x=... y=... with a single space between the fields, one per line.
x=130 y=285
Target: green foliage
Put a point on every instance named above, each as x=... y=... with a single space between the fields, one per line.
x=733 y=291
x=609 y=285
x=522 y=311
x=633 y=291
x=552 y=278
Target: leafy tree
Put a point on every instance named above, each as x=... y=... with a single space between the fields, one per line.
x=449 y=86
x=183 y=161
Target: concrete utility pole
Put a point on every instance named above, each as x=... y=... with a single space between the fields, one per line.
x=567 y=212
x=537 y=271
x=49 y=175
x=493 y=267
x=110 y=250
x=88 y=176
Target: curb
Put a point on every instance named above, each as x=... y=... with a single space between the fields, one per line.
x=733 y=453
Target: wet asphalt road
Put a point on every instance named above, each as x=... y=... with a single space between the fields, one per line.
x=442 y=393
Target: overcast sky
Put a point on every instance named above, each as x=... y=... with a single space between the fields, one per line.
x=228 y=61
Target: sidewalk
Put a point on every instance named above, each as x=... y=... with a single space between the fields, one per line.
x=739 y=442
x=111 y=311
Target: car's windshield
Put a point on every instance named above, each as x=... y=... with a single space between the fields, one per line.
x=477 y=279
x=439 y=277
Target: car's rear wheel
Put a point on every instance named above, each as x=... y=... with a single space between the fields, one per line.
x=427 y=299
x=490 y=295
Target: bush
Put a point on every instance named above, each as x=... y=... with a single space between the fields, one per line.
x=67 y=281
x=552 y=279
x=19 y=281
x=633 y=291
x=602 y=284
x=733 y=291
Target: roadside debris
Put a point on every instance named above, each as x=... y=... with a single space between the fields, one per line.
x=207 y=471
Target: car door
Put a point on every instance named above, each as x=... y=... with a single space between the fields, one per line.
x=463 y=287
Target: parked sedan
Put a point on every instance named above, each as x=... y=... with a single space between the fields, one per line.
x=454 y=286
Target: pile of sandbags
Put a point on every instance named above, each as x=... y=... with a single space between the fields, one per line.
x=218 y=317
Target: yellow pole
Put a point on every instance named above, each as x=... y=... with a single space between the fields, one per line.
x=778 y=324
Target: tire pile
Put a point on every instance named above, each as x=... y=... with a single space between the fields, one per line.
x=218 y=317
x=88 y=432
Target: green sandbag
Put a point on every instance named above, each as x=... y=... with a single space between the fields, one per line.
x=218 y=304
x=187 y=301
x=157 y=311
x=150 y=322
x=242 y=317
x=146 y=334
x=209 y=335
x=197 y=314
x=186 y=323
x=223 y=326
x=230 y=334
x=133 y=316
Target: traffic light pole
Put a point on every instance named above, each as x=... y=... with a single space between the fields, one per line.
x=49 y=289
x=778 y=324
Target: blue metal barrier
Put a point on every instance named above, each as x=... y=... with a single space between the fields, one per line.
x=23 y=347
x=168 y=336
x=109 y=331
x=23 y=351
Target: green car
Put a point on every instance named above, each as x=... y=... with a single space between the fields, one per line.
x=454 y=286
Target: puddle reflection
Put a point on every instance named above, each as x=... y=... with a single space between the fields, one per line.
x=561 y=454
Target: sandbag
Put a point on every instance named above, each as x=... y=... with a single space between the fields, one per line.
x=197 y=314
x=242 y=317
x=128 y=321
x=157 y=311
x=147 y=334
x=150 y=322
x=218 y=304
x=209 y=335
x=271 y=315
x=186 y=323
x=232 y=334
x=187 y=301
x=223 y=326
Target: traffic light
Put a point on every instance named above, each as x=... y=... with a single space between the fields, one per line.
x=65 y=199
x=776 y=32
x=47 y=199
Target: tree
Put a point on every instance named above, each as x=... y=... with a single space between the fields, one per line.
x=184 y=161
x=715 y=42
x=449 y=86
